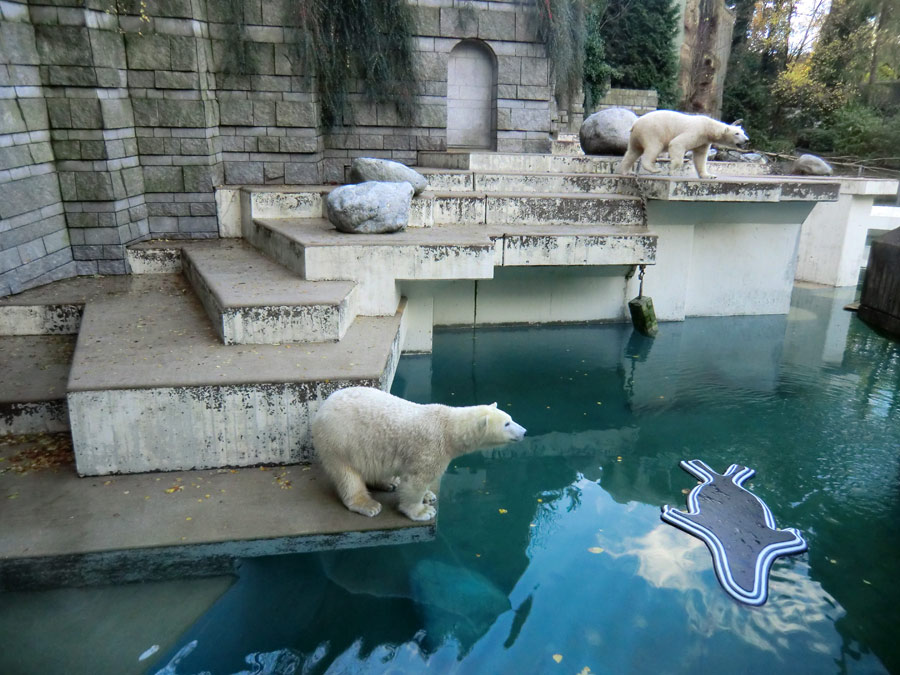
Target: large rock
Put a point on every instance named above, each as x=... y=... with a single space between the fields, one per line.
x=370 y=208
x=366 y=168
x=811 y=165
x=606 y=132
x=730 y=155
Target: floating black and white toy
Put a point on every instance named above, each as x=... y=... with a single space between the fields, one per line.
x=737 y=527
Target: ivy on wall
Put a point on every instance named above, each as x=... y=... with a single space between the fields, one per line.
x=357 y=43
x=561 y=26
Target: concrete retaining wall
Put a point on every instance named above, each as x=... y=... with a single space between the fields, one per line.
x=116 y=126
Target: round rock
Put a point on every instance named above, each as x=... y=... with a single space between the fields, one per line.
x=729 y=155
x=367 y=168
x=606 y=132
x=811 y=165
x=370 y=208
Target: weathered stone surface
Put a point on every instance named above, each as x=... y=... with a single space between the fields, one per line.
x=606 y=132
x=370 y=208
x=880 y=301
x=369 y=169
x=811 y=165
x=729 y=155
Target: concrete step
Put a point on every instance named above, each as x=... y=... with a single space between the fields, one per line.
x=556 y=163
x=313 y=247
x=254 y=300
x=458 y=208
x=521 y=182
x=62 y=530
x=153 y=389
x=33 y=374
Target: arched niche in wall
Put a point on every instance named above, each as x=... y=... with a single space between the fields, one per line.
x=472 y=96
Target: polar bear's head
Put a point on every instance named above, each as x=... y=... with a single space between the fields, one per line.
x=498 y=427
x=734 y=135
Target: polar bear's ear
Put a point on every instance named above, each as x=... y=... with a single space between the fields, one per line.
x=737 y=123
x=493 y=405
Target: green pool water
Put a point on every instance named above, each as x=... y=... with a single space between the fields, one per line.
x=550 y=554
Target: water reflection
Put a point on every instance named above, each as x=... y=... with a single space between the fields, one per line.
x=554 y=547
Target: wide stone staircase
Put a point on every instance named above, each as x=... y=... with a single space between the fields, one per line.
x=220 y=356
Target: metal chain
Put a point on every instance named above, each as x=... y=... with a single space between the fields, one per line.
x=641 y=279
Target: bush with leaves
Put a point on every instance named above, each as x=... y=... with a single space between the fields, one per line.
x=639 y=41
x=598 y=73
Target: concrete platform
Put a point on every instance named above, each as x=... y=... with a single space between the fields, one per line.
x=62 y=530
x=254 y=300
x=445 y=252
x=448 y=180
x=317 y=251
x=53 y=309
x=759 y=189
x=478 y=207
x=835 y=237
x=550 y=163
x=33 y=374
x=153 y=388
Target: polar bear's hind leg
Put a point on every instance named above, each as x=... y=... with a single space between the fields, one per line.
x=352 y=489
x=648 y=159
x=628 y=160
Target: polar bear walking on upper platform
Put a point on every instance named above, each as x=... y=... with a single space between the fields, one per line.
x=677 y=132
x=364 y=436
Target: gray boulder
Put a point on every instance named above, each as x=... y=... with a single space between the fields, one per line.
x=370 y=208
x=367 y=168
x=811 y=165
x=606 y=132
x=729 y=155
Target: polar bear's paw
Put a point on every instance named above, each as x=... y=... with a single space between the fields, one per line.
x=429 y=498
x=364 y=505
x=389 y=485
x=417 y=511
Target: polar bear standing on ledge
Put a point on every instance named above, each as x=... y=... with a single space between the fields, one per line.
x=678 y=132
x=364 y=436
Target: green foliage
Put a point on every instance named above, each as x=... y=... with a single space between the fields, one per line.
x=357 y=43
x=562 y=28
x=859 y=131
x=638 y=37
x=813 y=100
x=597 y=71
x=748 y=96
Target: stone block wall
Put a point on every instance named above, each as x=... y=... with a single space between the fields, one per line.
x=84 y=79
x=34 y=241
x=118 y=118
x=639 y=101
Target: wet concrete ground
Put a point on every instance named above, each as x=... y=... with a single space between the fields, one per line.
x=63 y=530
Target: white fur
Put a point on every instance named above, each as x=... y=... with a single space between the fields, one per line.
x=365 y=436
x=677 y=132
